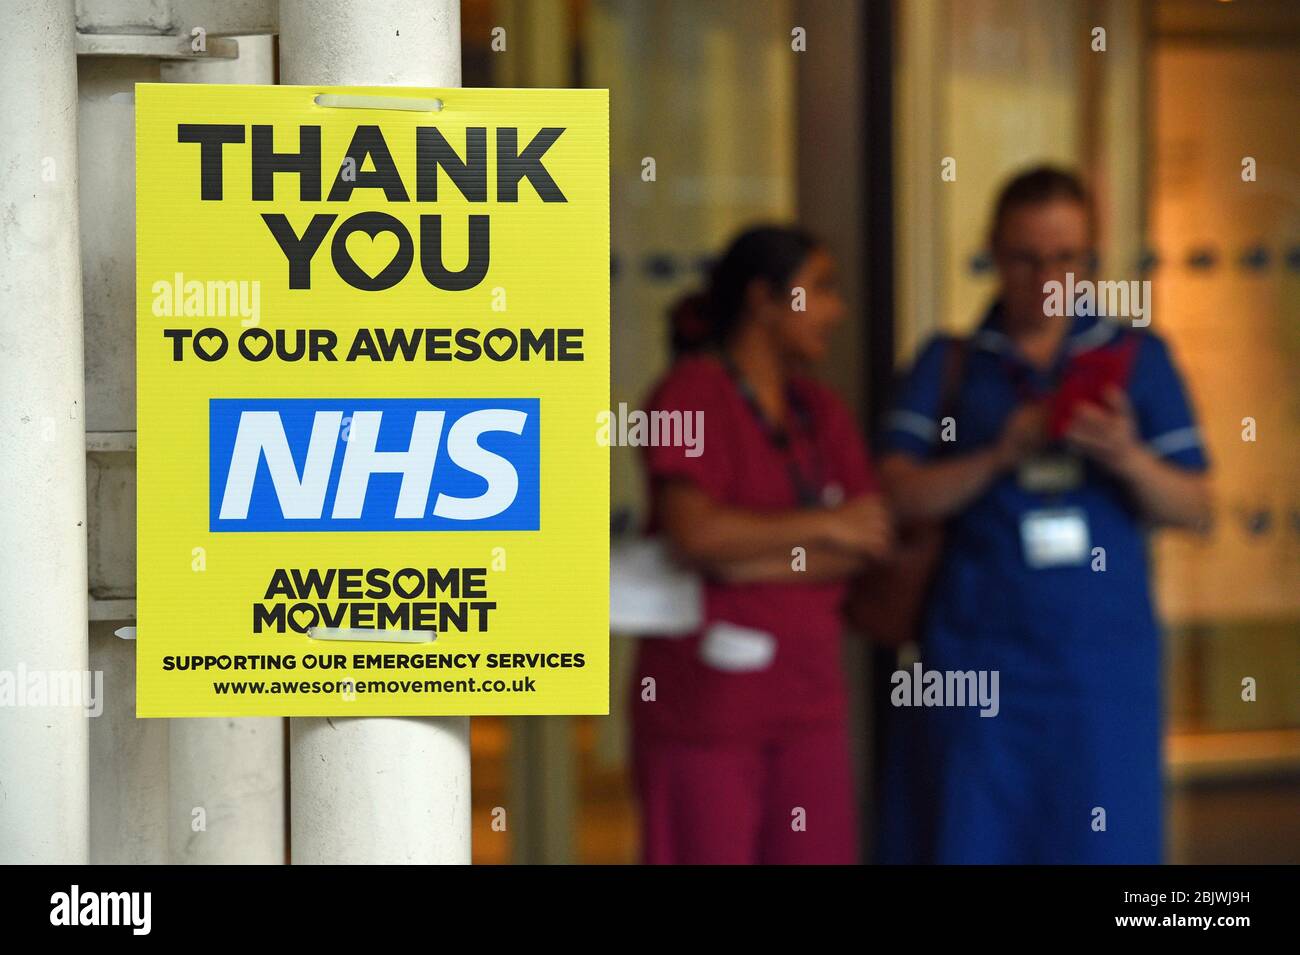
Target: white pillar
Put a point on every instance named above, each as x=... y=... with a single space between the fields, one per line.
x=128 y=756
x=364 y=43
x=226 y=776
x=226 y=794
x=376 y=790
x=44 y=751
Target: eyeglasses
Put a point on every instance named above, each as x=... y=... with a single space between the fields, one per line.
x=1026 y=263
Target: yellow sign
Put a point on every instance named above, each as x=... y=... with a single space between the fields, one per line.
x=372 y=342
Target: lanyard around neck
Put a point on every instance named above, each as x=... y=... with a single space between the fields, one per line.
x=807 y=489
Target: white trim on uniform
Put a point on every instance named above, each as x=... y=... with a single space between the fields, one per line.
x=1094 y=336
x=1102 y=331
x=1171 y=442
x=913 y=423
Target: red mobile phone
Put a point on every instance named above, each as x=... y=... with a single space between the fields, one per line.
x=1086 y=379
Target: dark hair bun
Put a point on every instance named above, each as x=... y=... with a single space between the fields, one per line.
x=689 y=322
x=769 y=253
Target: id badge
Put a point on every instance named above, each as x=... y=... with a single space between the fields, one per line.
x=1055 y=537
x=737 y=649
x=1050 y=473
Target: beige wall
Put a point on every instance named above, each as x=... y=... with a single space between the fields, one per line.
x=707 y=91
x=1234 y=330
x=998 y=85
x=830 y=145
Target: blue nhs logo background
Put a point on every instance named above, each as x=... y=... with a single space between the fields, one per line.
x=407 y=464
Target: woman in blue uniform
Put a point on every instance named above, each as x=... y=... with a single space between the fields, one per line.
x=1060 y=441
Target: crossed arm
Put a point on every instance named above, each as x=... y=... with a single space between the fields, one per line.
x=740 y=545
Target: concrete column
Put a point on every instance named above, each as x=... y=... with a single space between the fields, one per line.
x=920 y=74
x=226 y=799
x=44 y=750
x=368 y=790
x=128 y=756
x=226 y=795
x=363 y=43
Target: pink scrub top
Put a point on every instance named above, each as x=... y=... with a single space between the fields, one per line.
x=742 y=466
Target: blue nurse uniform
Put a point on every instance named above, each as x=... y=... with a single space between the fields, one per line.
x=1069 y=770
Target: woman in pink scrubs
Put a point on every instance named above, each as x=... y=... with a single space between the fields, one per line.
x=740 y=729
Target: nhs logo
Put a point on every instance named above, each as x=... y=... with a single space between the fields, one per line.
x=380 y=464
